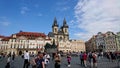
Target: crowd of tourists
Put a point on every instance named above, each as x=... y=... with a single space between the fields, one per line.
x=42 y=59
x=91 y=57
x=10 y=58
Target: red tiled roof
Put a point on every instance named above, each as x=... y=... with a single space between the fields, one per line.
x=6 y=38
x=28 y=35
x=2 y=36
x=31 y=34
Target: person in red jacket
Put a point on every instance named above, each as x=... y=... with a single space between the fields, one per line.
x=85 y=59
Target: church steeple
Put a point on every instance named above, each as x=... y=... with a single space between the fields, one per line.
x=55 y=22
x=65 y=23
x=55 y=26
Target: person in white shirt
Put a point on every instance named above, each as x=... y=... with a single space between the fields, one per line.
x=8 y=62
x=26 y=60
x=46 y=58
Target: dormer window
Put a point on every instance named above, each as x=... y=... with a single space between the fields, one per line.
x=14 y=36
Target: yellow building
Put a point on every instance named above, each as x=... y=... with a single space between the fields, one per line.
x=77 y=45
x=71 y=46
x=64 y=46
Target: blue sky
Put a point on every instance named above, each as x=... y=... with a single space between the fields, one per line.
x=84 y=17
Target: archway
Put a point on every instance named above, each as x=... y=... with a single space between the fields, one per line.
x=20 y=52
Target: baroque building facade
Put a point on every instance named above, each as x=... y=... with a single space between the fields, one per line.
x=22 y=41
x=118 y=40
x=110 y=41
x=90 y=45
x=106 y=42
x=100 y=41
x=77 y=46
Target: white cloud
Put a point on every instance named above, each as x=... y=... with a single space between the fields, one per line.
x=24 y=10
x=82 y=35
x=72 y=24
x=62 y=8
x=5 y=23
x=65 y=8
x=95 y=16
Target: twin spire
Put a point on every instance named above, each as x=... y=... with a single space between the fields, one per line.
x=55 y=23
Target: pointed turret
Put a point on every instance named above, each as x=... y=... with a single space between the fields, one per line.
x=65 y=30
x=55 y=26
x=65 y=23
x=55 y=22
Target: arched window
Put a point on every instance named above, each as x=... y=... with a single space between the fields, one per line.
x=55 y=29
x=66 y=30
x=60 y=39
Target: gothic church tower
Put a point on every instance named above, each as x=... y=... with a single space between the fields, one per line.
x=55 y=26
x=59 y=34
x=65 y=30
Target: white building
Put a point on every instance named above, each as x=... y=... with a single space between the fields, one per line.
x=22 y=41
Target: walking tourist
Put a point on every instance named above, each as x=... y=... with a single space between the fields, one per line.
x=13 y=56
x=113 y=57
x=108 y=56
x=8 y=62
x=68 y=60
x=26 y=59
x=81 y=58
x=85 y=59
x=94 y=59
x=53 y=56
x=57 y=61
x=46 y=59
x=90 y=59
x=38 y=62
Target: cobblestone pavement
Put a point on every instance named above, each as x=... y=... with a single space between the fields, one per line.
x=75 y=63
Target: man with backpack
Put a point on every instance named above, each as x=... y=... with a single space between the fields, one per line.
x=90 y=59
